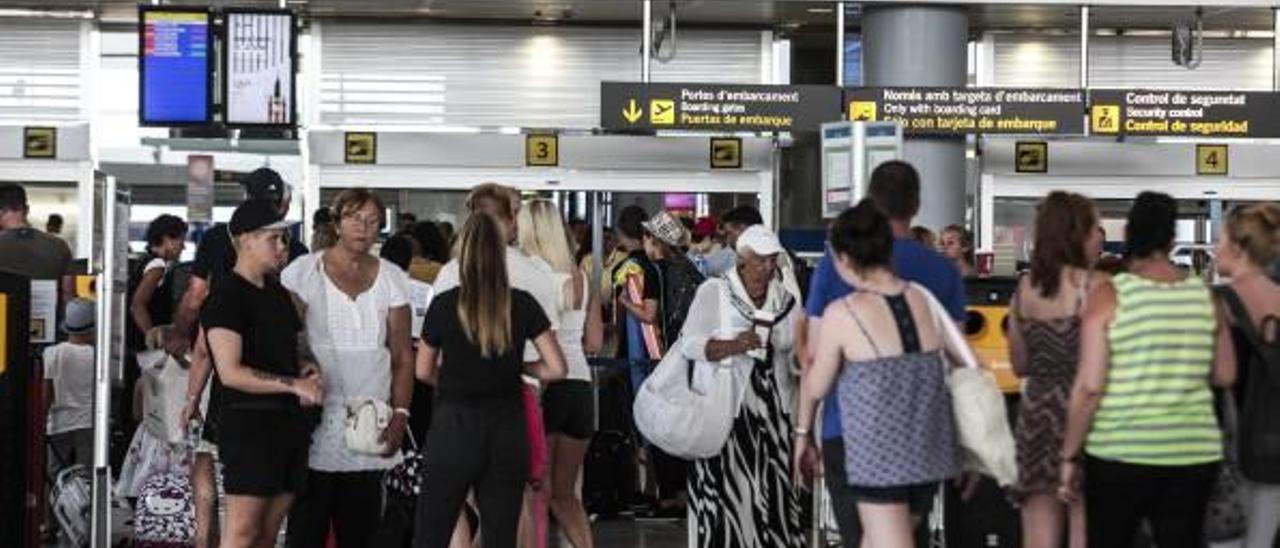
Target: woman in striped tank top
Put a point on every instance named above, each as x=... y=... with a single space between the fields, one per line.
x=1141 y=427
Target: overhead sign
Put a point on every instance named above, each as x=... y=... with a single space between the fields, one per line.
x=726 y=153
x=1185 y=113
x=542 y=150
x=1212 y=160
x=360 y=147
x=960 y=111
x=716 y=107
x=1031 y=157
x=40 y=142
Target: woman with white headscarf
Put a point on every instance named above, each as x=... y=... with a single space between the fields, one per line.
x=746 y=320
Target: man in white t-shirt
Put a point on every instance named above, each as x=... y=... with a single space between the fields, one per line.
x=68 y=385
x=530 y=274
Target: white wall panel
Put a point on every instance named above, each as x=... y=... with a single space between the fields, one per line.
x=389 y=74
x=1029 y=60
x=40 y=70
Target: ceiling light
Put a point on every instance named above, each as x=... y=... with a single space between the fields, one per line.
x=820 y=10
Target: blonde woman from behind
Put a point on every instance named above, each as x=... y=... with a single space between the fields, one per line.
x=566 y=405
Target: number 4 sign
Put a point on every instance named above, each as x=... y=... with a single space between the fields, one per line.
x=1211 y=159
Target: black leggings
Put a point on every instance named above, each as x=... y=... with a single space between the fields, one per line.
x=1119 y=496
x=352 y=501
x=482 y=447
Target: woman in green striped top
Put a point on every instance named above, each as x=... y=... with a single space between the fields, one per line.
x=1141 y=427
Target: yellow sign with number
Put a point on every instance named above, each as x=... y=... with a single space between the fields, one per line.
x=1105 y=118
x=542 y=150
x=1212 y=159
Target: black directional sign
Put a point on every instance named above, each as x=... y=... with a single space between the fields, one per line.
x=1185 y=113
x=717 y=107
x=959 y=111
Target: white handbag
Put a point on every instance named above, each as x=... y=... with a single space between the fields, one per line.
x=165 y=383
x=982 y=422
x=366 y=419
x=688 y=414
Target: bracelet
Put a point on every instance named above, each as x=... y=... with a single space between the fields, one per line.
x=800 y=433
x=401 y=411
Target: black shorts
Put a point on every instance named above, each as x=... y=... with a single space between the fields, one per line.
x=263 y=452
x=567 y=409
x=919 y=497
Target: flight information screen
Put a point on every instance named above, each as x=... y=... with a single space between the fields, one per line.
x=175 y=67
x=260 y=68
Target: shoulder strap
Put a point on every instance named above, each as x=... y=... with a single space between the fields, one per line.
x=848 y=305
x=1267 y=351
x=1239 y=314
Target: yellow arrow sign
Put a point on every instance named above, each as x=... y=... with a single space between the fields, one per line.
x=632 y=113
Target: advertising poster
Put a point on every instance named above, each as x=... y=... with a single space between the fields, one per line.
x=260 y=68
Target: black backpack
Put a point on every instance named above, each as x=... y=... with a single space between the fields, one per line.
x=1259 y=440
x=679 y=286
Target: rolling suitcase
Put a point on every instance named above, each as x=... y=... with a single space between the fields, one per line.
x=72 y=498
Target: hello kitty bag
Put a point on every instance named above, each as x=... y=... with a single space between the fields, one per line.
x=165 y=516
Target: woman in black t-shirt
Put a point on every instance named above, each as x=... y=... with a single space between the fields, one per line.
x=477 y=438
x=252 y=330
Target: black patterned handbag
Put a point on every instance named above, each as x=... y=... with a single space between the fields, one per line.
x=402 y=484
x=1224 y=518
x=405 y=479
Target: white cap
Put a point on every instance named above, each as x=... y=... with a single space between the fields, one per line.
x=759 y=240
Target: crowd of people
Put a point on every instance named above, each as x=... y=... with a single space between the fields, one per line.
x=312 y=376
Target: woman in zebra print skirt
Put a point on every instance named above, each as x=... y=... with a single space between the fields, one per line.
x=744 y=497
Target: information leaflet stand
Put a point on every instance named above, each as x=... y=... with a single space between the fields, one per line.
x=850 y=152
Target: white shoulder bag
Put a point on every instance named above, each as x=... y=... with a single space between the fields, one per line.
x=982 y=423
x=685 y=407
x=366 y=419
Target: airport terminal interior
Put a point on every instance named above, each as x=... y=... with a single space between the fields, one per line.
x=651 y=163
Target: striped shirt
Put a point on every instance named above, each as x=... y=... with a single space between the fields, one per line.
x=1157 y=408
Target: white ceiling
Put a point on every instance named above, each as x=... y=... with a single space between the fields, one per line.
x=764 y=13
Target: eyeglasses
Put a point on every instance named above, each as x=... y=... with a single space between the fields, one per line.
x=366 y=220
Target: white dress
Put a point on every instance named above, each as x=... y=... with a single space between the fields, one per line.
x=349 y=340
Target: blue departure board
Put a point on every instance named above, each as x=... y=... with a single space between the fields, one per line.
x=175 y=67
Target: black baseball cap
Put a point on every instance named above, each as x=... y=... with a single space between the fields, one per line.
x=264 y=184
x=256 y=215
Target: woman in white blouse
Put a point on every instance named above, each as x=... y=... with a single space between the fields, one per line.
x=356 y=310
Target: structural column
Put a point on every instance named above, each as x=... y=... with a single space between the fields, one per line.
x=923 y=45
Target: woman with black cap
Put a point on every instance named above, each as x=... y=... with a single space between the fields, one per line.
x=252 y=331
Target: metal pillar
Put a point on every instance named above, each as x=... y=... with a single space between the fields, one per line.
x=100 y=528
x=1084 y=47
x=923 y=45
x=1275 y=50
x=646 y=41
x=840 y=30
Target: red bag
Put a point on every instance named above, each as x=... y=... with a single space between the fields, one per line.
x=537 y=461
x=537 y=435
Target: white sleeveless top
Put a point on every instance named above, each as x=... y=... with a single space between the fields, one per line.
x=572 y=324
